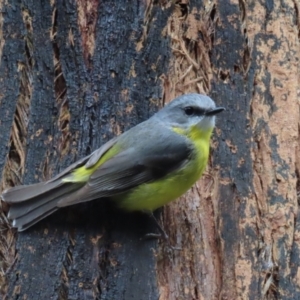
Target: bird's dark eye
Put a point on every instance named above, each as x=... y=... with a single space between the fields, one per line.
x=189 y=110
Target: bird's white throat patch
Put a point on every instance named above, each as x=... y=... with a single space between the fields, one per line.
x=207 y=123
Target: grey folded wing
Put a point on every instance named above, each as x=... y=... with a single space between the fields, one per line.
x=131 y=168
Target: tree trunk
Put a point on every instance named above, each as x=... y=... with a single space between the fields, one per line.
x=75 y=74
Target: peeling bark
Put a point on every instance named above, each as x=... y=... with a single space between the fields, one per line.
x=238 y=227
x=73 y=75
x=267 y=204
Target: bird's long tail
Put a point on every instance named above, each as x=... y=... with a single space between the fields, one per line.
x=31 y=203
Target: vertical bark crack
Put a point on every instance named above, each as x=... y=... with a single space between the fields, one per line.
x=60 y=87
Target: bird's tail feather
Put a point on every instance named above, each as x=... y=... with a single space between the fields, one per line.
x=29 y=204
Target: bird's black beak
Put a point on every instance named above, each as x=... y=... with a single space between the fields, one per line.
x=214 y=111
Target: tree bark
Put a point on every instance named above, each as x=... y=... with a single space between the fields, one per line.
x=75 y=74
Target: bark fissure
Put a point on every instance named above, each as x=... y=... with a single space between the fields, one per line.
x=63 y=287
x=191 y=30
x=60 y=87
x=14 y=167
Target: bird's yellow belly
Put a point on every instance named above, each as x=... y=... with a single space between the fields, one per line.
x=150 y=196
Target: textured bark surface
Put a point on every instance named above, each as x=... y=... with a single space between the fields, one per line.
x=74 y=74
x=239 y=226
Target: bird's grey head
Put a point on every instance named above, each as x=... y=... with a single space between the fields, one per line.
x=189 y=110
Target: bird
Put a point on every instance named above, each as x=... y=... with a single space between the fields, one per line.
x=142 y=169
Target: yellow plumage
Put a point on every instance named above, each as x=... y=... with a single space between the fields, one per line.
x=150 y=196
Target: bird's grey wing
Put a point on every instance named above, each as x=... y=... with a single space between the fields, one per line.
x=89 y=161
x=131 y=168
x=25 y=192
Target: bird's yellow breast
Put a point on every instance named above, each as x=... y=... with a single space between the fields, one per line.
x=150 y=196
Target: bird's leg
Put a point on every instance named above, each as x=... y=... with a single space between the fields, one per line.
x=162 y=233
